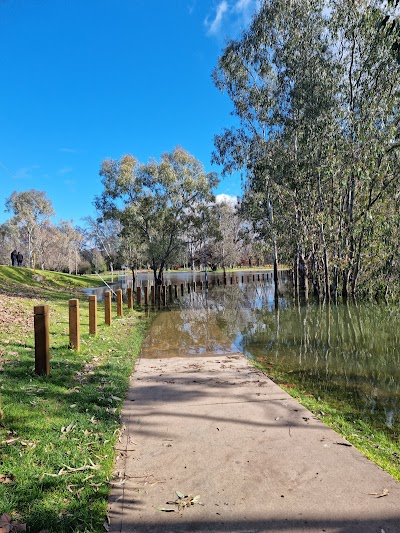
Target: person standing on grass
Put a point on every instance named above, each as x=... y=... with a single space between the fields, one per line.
x=20 y=258
x=14 y=257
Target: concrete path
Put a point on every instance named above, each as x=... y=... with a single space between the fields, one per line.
x=260 y=462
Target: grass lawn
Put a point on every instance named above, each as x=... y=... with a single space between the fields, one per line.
x=58 y=433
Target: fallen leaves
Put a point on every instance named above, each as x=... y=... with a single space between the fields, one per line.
x=182 y=502
x=7 y=478
x=69 y=470
x=8 y=525
x=382 y=494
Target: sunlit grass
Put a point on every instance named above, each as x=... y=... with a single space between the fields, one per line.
x=58 y=433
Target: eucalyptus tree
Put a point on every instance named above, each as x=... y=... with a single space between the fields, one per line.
x=157 y=202
x=315 y=89
x=105 y=235
x=30 y=209
x=281 y=79
x=368 y=153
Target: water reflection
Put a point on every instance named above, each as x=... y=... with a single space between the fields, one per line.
x=349 y=352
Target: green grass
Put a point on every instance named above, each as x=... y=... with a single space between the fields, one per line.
x=44 y=284
x=342 y=413
x=58 y=433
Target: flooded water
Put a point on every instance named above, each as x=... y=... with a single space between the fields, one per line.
x=350 y=351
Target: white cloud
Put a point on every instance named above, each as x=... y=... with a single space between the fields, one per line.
x=191 y=7
x=226 y=199
x=215 y=25
x=231 y=17
x=25 y=173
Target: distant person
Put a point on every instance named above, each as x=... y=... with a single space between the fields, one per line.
x=20 y=258
x=14 y=257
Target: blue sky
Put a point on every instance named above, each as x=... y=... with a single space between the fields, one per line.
x=84 y=80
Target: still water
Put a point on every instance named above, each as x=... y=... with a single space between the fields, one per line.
x=351 y=352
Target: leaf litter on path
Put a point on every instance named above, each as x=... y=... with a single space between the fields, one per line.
x=182 y=502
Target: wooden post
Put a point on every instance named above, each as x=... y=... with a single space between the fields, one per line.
x=164 y=295
x=139 y=296
x=130 y=297
x=119 y=302
x=182 y=289
x=107 y=308
x=258 y=277
x=176 y=291
x=242 y=279
x=93 y=314
x=188 y=287
x=231 y=280
x=42 y=341
x=146 y=295
x=153 y=295
x=170 y=293
x=158 y=297
x=74 y=329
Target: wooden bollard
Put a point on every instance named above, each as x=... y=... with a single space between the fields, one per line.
x=158 y=296
x=170 y=293
x=258 y=277
x=146 y=295
x=242 y=279
x=176 y=291
x=188 y=287
x=93 y=314
x=153 y=295
x=129 y=293
x=42 y=340
x=164 y=295
x=231 y=280
x=201 y=285
x=119 y=302
x=107 y=308
x=253 y=278
x=263 y=277
x=74 y=329
x=182 y=289
x=139 y=296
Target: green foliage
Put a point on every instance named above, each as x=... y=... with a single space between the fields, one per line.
x=156 y=203
x=315 y=87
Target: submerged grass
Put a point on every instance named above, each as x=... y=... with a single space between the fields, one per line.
x=344 y=414
x=58 y=433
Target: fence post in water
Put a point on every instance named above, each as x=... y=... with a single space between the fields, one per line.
x=146 y=295
x=42 y=342
x=93 y=314
x=139 y=296
x=188 y=287
x=170 y=293
x=74 y=330
x=107 y=308
x=130 y=297
x=176 y=291
x=182 y=290
x=119 y=302
x=153 y=296
x=164 y=295
x=158 y=295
